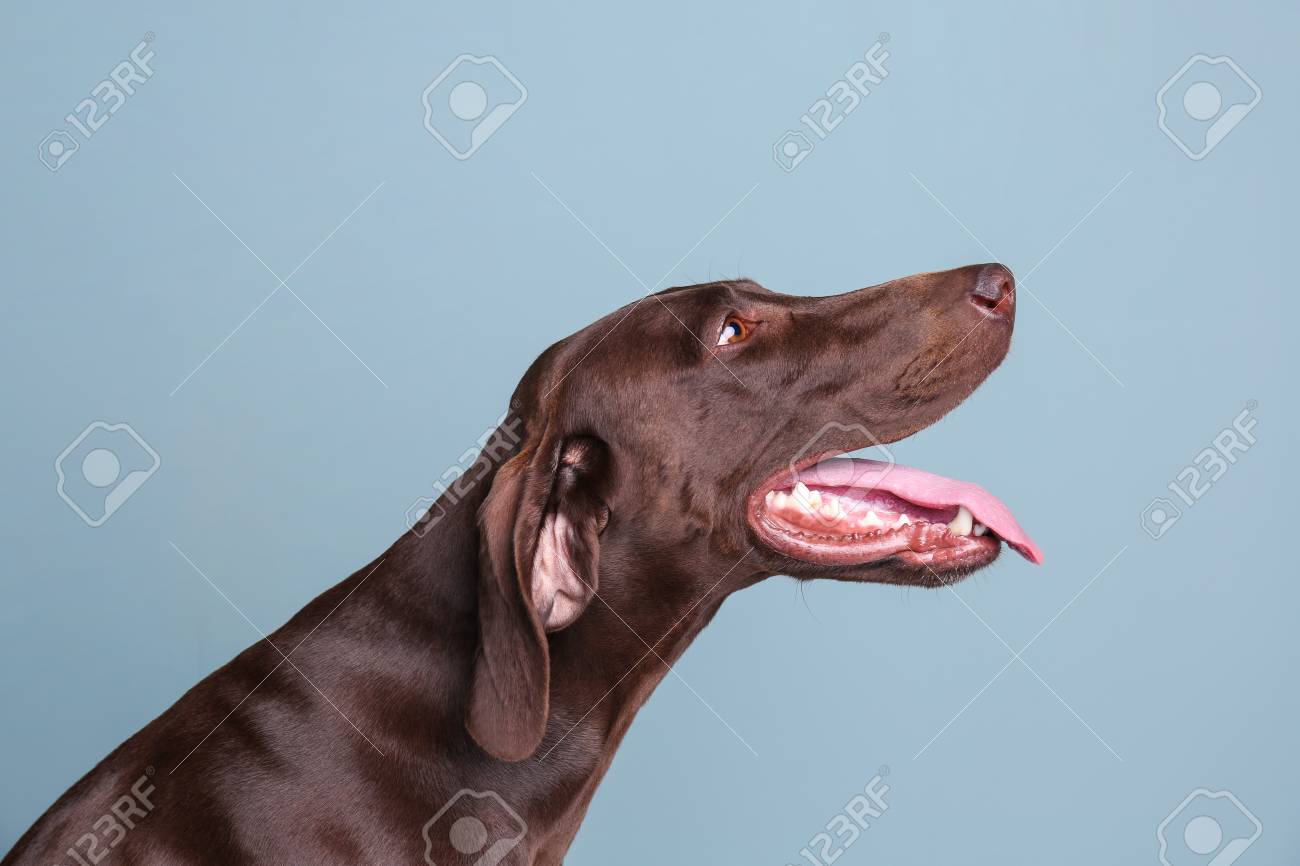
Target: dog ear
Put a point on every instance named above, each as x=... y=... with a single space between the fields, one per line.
x=538 y=560
x=566 y=563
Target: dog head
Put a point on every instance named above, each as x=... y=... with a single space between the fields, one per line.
x=699 y=427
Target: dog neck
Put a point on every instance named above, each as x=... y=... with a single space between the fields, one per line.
x=603 y=668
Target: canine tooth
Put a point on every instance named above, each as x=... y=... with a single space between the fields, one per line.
x=770 y=497
x=979 y=529
x=779 y=501
x=963 y=522
x=801 y=490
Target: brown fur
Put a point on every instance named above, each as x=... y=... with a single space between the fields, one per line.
x=650 y=442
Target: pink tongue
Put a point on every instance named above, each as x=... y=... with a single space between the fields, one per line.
x=923 y=488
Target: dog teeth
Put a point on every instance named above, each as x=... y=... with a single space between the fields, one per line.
x=963 y=522
x=848 y=514
x=872 y=520
x=776 y=500
x=811 y=500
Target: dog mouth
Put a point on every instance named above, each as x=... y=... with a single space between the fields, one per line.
x=853 y=512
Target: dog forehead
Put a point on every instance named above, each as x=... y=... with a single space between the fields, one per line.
x=648 y=336
x=697 y=305
x=665 y=312
x=718 y=291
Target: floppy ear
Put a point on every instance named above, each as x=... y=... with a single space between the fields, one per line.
x=539 y=551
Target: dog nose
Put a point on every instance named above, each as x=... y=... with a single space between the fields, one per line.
x=994 y=291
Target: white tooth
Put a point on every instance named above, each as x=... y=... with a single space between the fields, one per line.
x=770 y=498
x=902 y=521
x=980 y=529
x=871 y=519
x=831 y=509
x=811 y=500
x=779 y=501
x=962 y=523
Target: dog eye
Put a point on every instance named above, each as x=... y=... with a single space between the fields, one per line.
x=734 y=330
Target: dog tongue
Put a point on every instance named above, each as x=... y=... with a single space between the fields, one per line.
x=924 y=488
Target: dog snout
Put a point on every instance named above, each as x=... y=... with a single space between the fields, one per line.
x=994 y=291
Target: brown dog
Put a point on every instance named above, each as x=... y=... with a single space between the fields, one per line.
x=653 y=463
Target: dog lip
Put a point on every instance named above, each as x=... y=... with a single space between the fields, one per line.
x=927 y=492
x=921 y=545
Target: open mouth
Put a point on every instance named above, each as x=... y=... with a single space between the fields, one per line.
x=849 y=511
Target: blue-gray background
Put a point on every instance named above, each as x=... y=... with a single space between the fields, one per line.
x=286 y=463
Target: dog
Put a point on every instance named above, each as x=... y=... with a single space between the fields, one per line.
x=459 y=699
